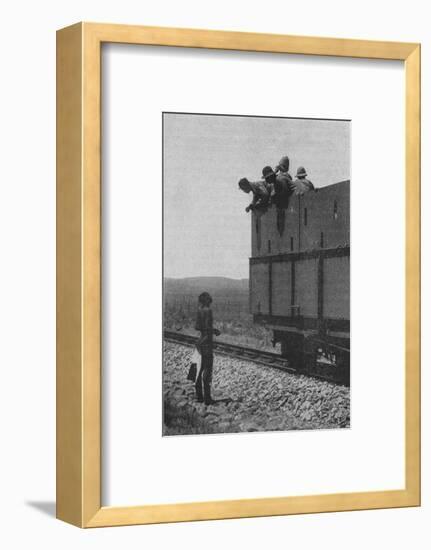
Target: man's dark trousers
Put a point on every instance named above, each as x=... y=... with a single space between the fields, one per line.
x=204 y=379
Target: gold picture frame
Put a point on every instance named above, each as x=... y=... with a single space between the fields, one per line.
x=79 y=274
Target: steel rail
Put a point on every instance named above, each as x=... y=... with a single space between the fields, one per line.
x=261 y=357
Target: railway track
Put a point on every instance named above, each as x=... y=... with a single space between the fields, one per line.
x=261 y=357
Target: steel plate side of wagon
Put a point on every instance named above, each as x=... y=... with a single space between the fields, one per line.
x=325 y=217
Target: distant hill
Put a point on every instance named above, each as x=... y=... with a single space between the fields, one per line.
x=218 y=287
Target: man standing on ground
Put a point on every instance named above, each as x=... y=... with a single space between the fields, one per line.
x=204 y=324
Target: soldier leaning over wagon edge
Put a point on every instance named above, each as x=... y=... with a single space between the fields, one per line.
x=281 y=184
x=283 y=167
x=261 y=194
x=283 y=189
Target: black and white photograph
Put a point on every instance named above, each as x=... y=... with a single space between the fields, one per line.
x=256 y=273
x=192 y=355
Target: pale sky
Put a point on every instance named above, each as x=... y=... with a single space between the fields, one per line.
x=206 y=230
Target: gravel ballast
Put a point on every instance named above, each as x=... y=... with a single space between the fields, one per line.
x=249 y=398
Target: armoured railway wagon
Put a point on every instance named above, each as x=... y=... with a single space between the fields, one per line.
x=300 y=280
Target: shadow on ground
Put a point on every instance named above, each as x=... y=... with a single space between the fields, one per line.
x=45 y=507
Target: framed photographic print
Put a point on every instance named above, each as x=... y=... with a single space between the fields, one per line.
x=238 y=275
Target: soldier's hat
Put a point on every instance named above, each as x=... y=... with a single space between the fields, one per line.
x=284 y=161
x=267 y=171
x=301 y=173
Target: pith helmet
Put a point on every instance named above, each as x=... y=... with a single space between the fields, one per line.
x=267 y=171
x=285 y=162
x=301 y=173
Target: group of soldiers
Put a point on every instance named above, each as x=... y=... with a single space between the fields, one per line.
x=275 y=187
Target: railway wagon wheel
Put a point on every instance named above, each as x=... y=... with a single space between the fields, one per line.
x=328 y=361
x=341 y=362
x=292 y=348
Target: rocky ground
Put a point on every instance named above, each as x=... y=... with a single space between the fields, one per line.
x=248 y=398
